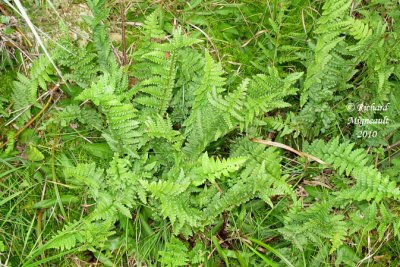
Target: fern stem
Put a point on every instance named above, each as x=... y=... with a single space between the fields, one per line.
x=124 y=57
x=39 y=230
x=53 y=172
x=4 y=11
x=170 y=78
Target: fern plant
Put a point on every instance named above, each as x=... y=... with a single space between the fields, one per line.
x=135 y=128
x=161 y=152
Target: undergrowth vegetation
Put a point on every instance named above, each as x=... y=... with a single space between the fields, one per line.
x=200 y=133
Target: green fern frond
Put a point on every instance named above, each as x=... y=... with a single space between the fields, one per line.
x=315 y=224
x=105 y=208
x=123 y=128
x=41 y=71
x=168 y=188
x=123 y=133
x=85 y=235
x=388 y=221
x=158 y=88
x=253 y=97
x=212 y=169
x=73 y=113
x=260 y=178
x=266 y=93
x=360 y=30
x=101 y=41
x=174 y=254
x=334 y=11
x=26 y=89
x=79 y=63
x=203 y=127
x=87 y=175
x=123 y=183
x=151 y=27
x=238 y=194
x=342 y=156
x=232 y=105
x=158 y=69
x=23 y=96
x=175 y=201
x=67 y=238
x=162 y=128
x=211 y=79
x=371 y=184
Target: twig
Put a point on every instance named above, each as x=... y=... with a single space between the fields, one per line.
x=254 y=37
x=218 y=187
x=124 y=57
x=4 y=11
x=370 y=255
x=392 y=146
x=208 y=38
x=280 y=145
x=39 y=229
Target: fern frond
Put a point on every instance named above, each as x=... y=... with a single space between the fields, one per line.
x=190 y=65
x=100 y=35
x=174 y=254
x=260 y=178
x=158 y=69
x=315 y=224
x=201 y=125
x=26 y=89
x=24 y=96
x=388 y=221
x=212 y=169
x=175 y=203
x=360 y=30
x=86 y=174
x=266 y=93
x=371 y=184
x=333 y=11
x=253 y=97
x=232 y=105
x=85 y=233
x=236 y=195
x=158 y=88
x=105 y=208
x=79 y=63
x=40 y=72
x=162 y=128
x=151 y=27
x=123 y=133
x=212 y=78
x=342 y=156
x=67 y=238
x=123 y=183
x=73 y=113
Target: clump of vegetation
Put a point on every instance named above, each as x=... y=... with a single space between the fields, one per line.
x=203 y=134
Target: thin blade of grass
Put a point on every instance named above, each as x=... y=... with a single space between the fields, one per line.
x=272 y=250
